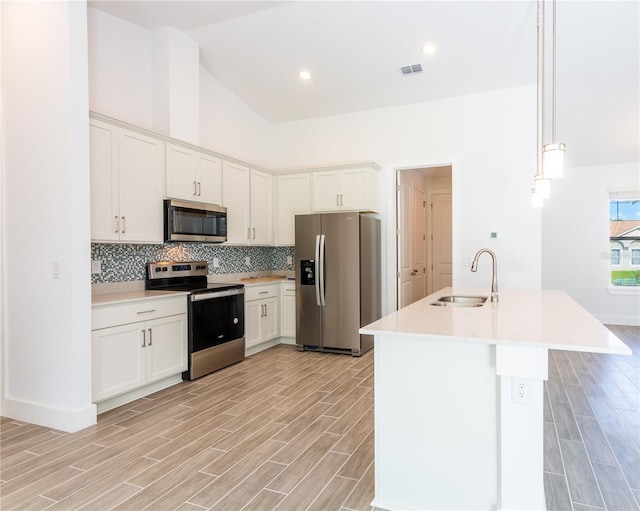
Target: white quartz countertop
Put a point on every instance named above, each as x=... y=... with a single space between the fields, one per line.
x=544 y=318
x=133 y=296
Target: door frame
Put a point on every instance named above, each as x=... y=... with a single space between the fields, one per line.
x=396 y=223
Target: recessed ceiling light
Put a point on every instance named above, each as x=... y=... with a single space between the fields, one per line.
x=305 y=75
x=428 y=49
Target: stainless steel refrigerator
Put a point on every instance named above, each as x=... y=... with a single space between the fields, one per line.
x=337 y=281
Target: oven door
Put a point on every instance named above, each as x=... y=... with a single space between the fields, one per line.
x=215 y=318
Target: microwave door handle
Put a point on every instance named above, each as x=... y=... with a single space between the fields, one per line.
x=322 y=268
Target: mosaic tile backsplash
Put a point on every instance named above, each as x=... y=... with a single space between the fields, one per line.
x=122 y=263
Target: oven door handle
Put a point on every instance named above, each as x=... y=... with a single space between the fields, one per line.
x=216 y=294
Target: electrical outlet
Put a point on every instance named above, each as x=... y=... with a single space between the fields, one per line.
x=289 y=260
x=520 y=391
x=96 y=267
x=216 y=262
x=247 y=261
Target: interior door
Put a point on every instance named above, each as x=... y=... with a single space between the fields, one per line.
x=405 y=266
x=441 y=246
x=418 y=254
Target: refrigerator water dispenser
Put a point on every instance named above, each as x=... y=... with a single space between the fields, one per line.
x=307 y=275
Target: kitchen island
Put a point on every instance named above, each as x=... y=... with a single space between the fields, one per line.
x=459 y=397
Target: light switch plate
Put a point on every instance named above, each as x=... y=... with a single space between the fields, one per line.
x=96 y=267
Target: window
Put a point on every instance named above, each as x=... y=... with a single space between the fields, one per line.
x=635 y=253
x=615 y=256
x=624 y=236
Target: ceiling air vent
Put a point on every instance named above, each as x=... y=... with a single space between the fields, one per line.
x=409 y=70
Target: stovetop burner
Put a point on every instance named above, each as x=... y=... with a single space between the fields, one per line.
x=183 y=276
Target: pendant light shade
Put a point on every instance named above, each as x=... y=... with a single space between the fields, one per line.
x=536 y=199
x=543 y=187
x=553 y=161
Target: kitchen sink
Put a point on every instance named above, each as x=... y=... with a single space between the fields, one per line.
x=459 y=301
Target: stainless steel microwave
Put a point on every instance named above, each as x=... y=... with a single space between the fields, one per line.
x=194 y=221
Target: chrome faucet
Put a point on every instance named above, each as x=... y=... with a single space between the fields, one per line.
x=494 y=279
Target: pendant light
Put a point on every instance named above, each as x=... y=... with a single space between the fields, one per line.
x=553 y=153
x=542 y=188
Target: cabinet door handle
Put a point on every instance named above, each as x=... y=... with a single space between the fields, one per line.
x=341 y=200
x=199 y=188
x=150 y=337
x=195 y=188
x=254 y=233
x=337 y=199
x=248 y=233
x=146 y=312
x=117 y=224
x=265 y=310
x=144 y=338
x=263 y=292
x=124 y=225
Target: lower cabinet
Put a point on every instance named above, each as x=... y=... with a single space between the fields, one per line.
x=288 y=309
x=261 y=314
x=131 y=356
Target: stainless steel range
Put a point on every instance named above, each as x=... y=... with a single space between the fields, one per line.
x=215 y=314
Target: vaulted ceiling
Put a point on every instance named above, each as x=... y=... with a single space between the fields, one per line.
x=354 y=51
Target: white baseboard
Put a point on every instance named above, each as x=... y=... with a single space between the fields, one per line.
x=261 y=347
x=615 y=319
x=64 y=419
x=127 y=397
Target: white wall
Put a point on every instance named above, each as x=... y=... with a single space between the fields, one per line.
x=230 y=127
x=120 y=69
x=575 y=240
x=489 y=141
x=122 y=85
x=46 y=214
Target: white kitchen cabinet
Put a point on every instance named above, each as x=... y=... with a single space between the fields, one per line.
x=288 y=309
x=137 y=344
x=293 y=196
x=126 y=171
x=346 y=189
x=261 y=208
x=192 y=175
x=248 y=196
x=261 y=314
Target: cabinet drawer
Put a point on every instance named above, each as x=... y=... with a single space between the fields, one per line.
x=288 y=288
x=114 y=314
x=260 y=292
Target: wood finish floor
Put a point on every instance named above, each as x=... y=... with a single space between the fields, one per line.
x=592 y=429
x=290 y=431
x=282 y=430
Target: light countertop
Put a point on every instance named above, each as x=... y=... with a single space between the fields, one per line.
x=544 y=318
x=132 y=296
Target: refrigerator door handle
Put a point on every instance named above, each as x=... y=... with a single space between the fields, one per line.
x=321 y=276
x=316 y=270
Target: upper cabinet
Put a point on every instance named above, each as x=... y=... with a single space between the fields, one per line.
x=193 y=175
x=261 y=208
x=133 y=170
x=126 y=184
x=248 y=196
x=346 y=189
x=293 y=197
